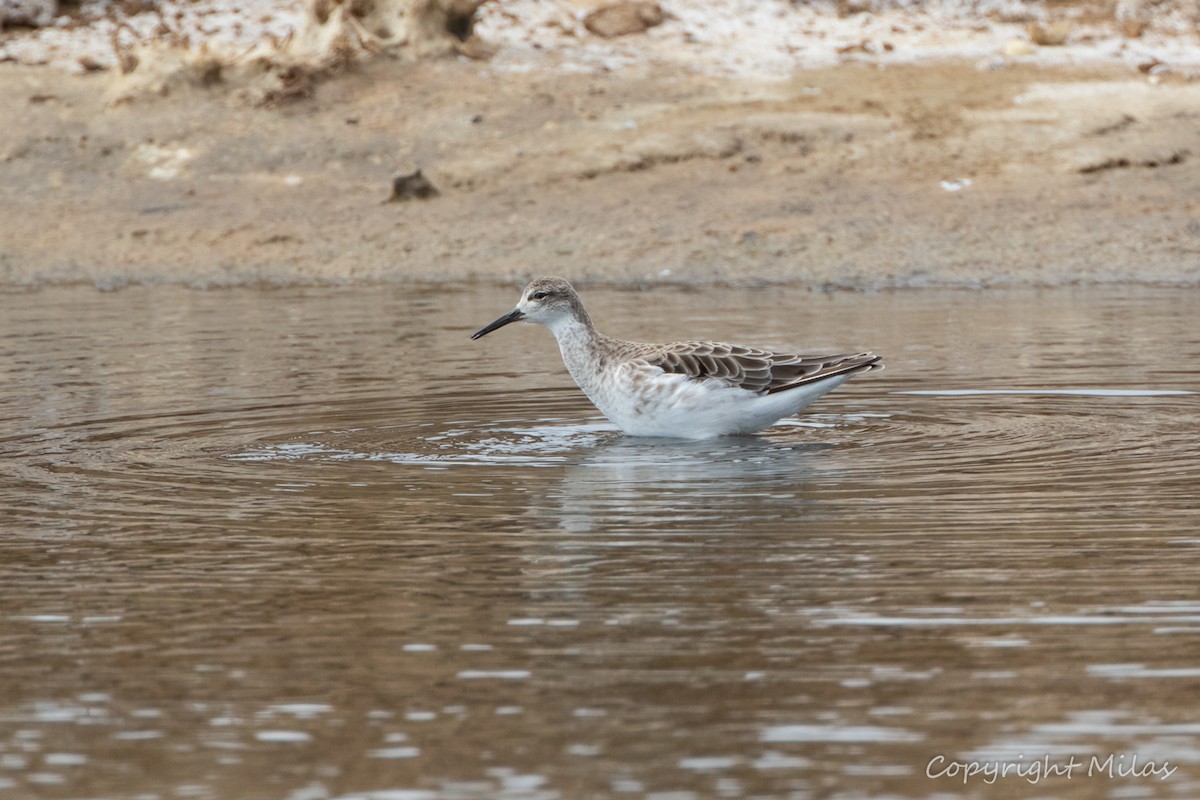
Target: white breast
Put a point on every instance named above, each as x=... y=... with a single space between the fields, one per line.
x=644 y=401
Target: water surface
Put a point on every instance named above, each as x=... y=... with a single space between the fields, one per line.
x=313 y=544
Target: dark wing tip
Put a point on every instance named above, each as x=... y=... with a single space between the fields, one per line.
x=835 y=365
x=871 y=362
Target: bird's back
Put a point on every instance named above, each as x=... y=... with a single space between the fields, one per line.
x=749 y=368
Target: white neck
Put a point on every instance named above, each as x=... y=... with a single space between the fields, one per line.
x=575 y=338
x=570 y=327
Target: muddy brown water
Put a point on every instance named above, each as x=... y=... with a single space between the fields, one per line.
x=314 y=543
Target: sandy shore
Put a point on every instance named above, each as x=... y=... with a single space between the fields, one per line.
x=863 y=172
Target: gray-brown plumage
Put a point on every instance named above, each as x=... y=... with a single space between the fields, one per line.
x=751 y=368
x=692 y=389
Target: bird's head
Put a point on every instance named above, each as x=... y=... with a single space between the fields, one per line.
x=546 y=301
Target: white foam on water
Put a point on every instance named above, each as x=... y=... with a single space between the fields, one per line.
x=285 y=737
x=499 y=674
x=65 y=759
x=540 y=445
x=1130 y=671
x=1065 y=392
x=929 y=622
x=773 y=760
x=420 y=716
x=842 y=734
x=706 y=763
x=138 y=736
x=395 y=752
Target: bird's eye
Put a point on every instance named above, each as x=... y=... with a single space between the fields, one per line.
x=539 y=295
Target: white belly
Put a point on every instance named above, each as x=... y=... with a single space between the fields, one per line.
x=644 y=401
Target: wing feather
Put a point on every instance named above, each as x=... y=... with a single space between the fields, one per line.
x=750 y=368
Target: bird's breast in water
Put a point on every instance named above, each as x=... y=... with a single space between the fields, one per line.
x=636 y=395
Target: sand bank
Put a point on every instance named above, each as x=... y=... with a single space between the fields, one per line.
x=781 y=145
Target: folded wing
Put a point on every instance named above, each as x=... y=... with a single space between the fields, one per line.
x=752 y=369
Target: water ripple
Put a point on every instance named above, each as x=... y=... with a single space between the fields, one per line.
x=312 y=544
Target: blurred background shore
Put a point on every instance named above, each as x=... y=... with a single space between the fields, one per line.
x=838 y=145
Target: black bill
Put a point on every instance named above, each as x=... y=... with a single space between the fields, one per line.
x=512 y=316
